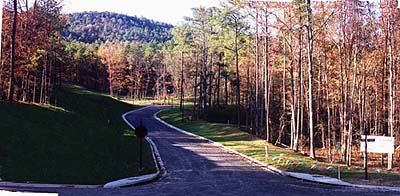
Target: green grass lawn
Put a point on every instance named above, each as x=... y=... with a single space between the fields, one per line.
x=81 y=141
x=282 y=158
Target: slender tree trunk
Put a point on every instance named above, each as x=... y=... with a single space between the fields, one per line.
x=266 y=76
x=310 y=78
x=257 y=64
x=182 y=96
x=25 y=87
x=293 y=102
x=34 y=90
x=219 y=80
x=110 y=80
x=42 y=84
x=282 y=119
x=133 y=86
x=326 y=72
x=195 y=91
x=237 y=74
x=211 y=77
x=10 y=96
x=351 y=118
x=299 y=126
x=319 y=105
x=391 y=83
x=249 y=100
x=226 y=91
x=362 y=100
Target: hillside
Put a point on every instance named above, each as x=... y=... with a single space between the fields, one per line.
x=91 y=27
x=81 y=141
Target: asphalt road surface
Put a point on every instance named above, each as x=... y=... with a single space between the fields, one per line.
x=196 y=167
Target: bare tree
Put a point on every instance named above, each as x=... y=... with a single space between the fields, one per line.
x=310 y=77
x=10 y=96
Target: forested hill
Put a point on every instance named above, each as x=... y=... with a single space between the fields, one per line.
x=91 y=27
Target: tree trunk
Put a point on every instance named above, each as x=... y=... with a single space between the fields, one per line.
x=257 y=64
x=219 y=80
x=34 y=90
x=391 y=82
x=237 y=73
x=282 y=119
x=327 y=99
x=249 y=116
x=266 y=77
x=299 y=126
x=211 y=75
x=110 y=80
x=42 y=85
x=226 y=91
x=182 y=96
x=292 y=105
x=10 y=96
x=195 y=91
x=310 y=78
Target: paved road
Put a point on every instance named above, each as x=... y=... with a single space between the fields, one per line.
x=196 y=167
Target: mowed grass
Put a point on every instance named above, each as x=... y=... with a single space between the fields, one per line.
x=81 y=141
x=282 y=158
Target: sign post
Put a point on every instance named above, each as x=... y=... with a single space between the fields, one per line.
x=141 y=132
x=366 y=156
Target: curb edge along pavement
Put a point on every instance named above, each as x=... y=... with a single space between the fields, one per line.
x=269 y=167
x=161 y=171
x=250 y=159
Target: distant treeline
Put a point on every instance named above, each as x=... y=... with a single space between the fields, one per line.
x=101 y=51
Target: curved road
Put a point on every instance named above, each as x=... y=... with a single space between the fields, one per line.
x=196 y=167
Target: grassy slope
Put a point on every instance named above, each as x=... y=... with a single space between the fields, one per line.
x=281 y=158
x=83 y=141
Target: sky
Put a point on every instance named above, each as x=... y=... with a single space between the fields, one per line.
x=169 y=11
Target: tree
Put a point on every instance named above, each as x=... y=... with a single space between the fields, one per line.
x=235 y=20
x=12 y=63
x=310 y=78
x=182 y=40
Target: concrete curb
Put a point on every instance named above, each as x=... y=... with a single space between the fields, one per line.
x=250 y=159
x=34 y=185
x=22 y=193
x=161 y=171
x=267 y=167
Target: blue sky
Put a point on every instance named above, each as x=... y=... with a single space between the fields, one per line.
x=170 y=11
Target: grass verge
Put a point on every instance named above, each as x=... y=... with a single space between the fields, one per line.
x=81 y=141
x=281 y=158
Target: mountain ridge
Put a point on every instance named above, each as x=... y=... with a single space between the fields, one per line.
x=98 y=27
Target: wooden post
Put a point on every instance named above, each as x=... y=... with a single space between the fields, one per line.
x=365 y=157
x=141 y=155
